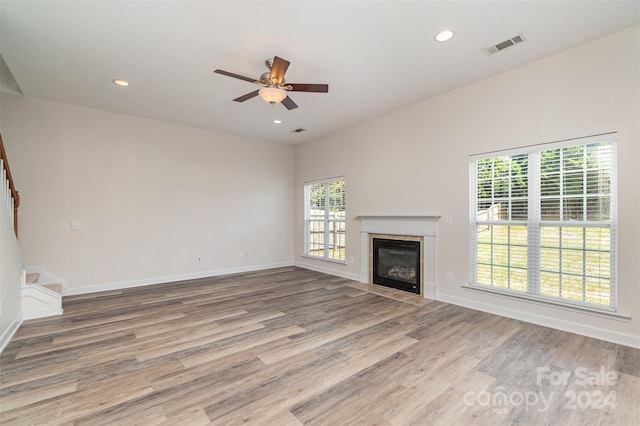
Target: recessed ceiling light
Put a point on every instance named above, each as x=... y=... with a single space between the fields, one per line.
x=121 y=83
x=277 y=121
x=444 y=35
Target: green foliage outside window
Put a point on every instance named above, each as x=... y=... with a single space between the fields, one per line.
x=563 y=248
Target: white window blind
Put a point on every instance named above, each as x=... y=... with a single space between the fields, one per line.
x=325 y=224
x=543 y=221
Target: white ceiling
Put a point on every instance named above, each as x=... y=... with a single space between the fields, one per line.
x=376 y=56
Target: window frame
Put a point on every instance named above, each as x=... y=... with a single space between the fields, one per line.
x=327 y=221
x=535 y=223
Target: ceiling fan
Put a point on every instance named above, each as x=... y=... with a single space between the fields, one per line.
x=274 y=88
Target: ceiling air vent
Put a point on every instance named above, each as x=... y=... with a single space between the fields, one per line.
x=491 y=50
x=299 y=130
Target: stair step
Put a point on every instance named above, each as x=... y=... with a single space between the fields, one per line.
x=55 y=287
x=33 y=277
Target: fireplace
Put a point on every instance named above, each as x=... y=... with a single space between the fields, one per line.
x=396 y=264
x=404 y=228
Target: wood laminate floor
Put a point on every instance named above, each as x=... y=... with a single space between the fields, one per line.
x=292 y=346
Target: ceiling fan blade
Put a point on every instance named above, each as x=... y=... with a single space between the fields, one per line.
x=301 y=87
x=289 y=104
x=247 y=96
x=241 y=77
x=278 y=68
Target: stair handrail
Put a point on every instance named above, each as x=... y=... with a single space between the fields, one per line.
x=12 y=188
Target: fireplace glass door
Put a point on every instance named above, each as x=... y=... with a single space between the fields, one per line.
x=396 y=264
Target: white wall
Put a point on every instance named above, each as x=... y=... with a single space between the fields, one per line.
x=143 y=190
x=10 y=279
x=415 y=161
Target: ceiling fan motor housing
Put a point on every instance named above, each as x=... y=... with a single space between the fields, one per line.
x=264 y=78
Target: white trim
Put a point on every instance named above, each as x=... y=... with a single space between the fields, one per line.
x=324 y=259
x=15 y=257
x=569 y=326
x=325 y=221
x=170 y=278
x=566 y=305
x=42 y=313
x=419 y=226
x=10 y=331
x=325 y=180
x=49 y=302
x=535 y=222
x=319 y=268
x=47 y=277
x=584 y=140
x=15 y=246
x=399 y=225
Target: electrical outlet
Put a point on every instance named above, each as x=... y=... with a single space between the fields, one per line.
x=450 y=276
x=243 y=254
x=263 y=253
x=143 y=264
x=352 y=259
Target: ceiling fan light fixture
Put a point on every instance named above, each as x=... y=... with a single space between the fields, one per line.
x=273 y=95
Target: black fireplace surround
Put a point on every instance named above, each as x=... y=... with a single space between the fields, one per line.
x=396 y=264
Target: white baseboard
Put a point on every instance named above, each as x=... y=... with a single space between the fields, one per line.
x=572 y=327
x=170 y=278
x=430 y=291
x=569 y=326
x=313 y=267
x=10 y=331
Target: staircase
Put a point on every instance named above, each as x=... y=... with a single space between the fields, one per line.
x=40 y=291
x=41 y=295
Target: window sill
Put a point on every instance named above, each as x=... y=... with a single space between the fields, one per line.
x=324 y=259
x=610 y=314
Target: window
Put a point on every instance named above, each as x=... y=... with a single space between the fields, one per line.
x=543 y=221
x=325 y=225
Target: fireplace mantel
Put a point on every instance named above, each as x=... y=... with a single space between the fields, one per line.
x=419 y=226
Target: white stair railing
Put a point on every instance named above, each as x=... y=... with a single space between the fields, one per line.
x=9 y=197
